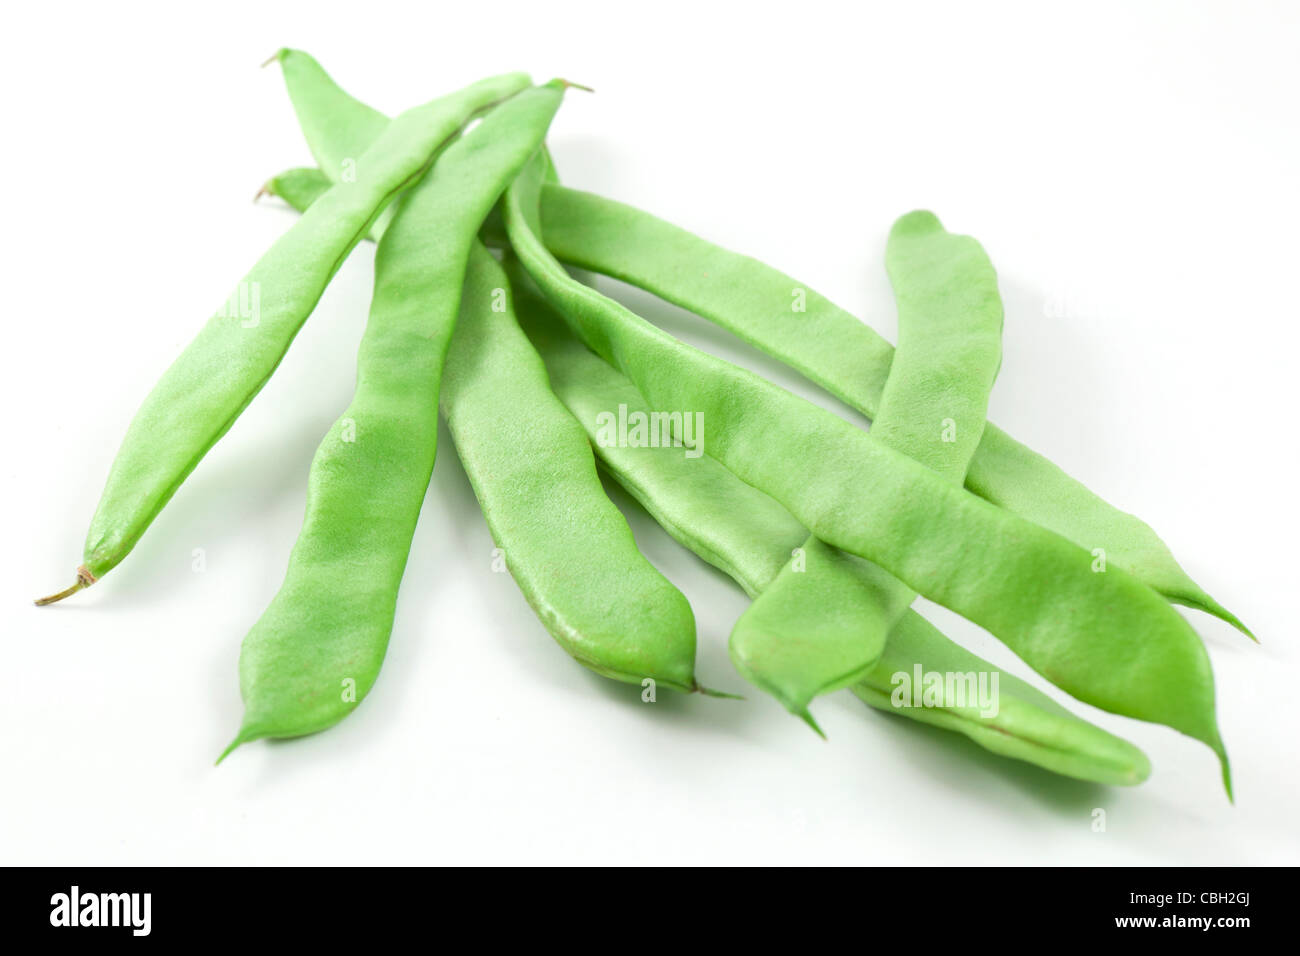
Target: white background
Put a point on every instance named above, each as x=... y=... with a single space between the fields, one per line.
x=1131 y=169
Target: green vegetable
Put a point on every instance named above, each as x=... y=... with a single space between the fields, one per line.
x=316 y=651
x=567 y=546
x=1032 y=588
x=822 y=623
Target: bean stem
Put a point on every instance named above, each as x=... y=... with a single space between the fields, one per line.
x=84 y=580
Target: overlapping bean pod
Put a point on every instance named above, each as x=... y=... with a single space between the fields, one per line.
x=567 y=546
x=822 y=623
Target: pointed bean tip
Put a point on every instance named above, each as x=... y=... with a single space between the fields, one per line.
x=240 y=738
x=1199 y=600
x=710 y=692
x=1228 y=617
x=274 y=56
x=806 y=716
x=1215 y=609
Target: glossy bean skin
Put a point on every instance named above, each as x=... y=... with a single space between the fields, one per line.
x=1104 y=638
x=199 y=397
x=748 y=535
x=317 y=649
x=827 y=345
x=822 y=623
x=567 y=546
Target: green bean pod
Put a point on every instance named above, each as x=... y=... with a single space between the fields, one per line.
x=1028 y=725
x=748 y=535
x=199 y=397
x=337 y=127
x=822 y=623
x=570 y=550
x=317 y=649
x=949 y=346
x=1104 y=638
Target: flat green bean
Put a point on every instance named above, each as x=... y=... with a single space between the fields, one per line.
x=317 y=649
x=1033 y=589
x=822 y=623
x=949 y=346
x=199 y=397
x=748 y=535
x=336 y=137
x=570 y=550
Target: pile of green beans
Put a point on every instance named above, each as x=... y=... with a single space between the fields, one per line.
x=831 y=530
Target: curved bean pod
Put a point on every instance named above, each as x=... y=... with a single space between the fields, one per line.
x=1105 y=638
x=748 y=535
x=1028 y=725
x=317 y=649
x=570 y=550
x=199 y=397
x=822 y=623
x=949 y=346
x=337 y=127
